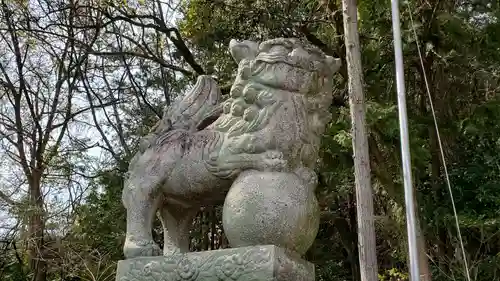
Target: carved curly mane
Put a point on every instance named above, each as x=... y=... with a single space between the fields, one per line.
x=284 y=82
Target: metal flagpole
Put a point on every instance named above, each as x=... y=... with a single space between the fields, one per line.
x=405 y=145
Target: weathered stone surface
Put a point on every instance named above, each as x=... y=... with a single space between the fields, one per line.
x=257 y=263
x=271 y=207
x=271 y=123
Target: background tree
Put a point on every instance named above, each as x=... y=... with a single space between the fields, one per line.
x=82 y=81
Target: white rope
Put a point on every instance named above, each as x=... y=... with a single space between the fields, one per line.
x=440 y=146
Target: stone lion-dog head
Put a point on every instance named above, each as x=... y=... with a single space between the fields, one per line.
x=279 y=99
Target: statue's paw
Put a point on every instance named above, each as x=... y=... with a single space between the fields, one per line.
x=140 y=248
x=242 y=144
x=273 y=154
x=273 y=162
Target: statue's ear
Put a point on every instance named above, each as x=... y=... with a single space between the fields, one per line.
x=333 y=64
x=243 y=50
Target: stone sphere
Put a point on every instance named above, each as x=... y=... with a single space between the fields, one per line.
x=270 y=208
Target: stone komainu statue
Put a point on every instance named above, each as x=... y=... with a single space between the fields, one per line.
x=263 y=139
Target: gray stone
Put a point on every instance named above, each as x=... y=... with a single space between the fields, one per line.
x=271 y=207
x=271 y=126
x=256 y=263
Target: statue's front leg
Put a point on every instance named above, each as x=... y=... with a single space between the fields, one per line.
x=141 y=201
x=232 y=164
x=142 y=195
x=269 y=161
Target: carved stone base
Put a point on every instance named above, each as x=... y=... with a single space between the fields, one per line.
x=256 y=263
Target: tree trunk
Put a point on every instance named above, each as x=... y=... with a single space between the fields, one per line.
x=392 y=190
x=213 y=230
x=36 y=227
x=204 y=229
x=364 y=197
x=425 y=273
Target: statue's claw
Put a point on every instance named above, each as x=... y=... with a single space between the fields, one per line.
x=273 y=162
x=273 y=154
x=140 y=248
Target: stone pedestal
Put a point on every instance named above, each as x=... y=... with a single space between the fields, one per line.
x=255 y=263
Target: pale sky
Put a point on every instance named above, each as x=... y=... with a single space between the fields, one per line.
x=60 y=195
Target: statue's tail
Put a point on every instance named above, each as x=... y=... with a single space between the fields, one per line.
x=200 y=107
